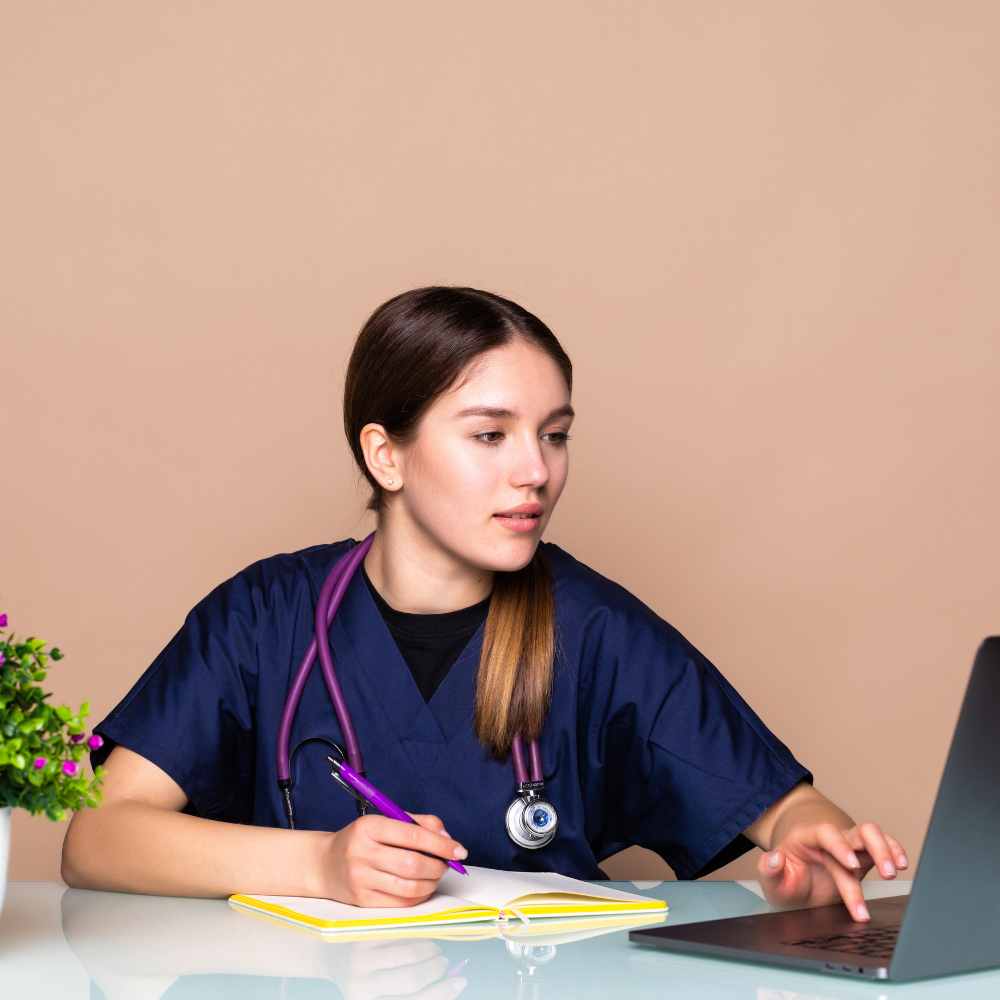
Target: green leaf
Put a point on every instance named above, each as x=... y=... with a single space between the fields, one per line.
x=15 y=744
x=64 y=713
x=38 y=675
x=19 y=761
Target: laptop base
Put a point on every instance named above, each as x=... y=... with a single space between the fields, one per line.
x=768 y=937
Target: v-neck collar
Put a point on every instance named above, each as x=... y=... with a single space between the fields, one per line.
x=364 y=648
x=448 y=624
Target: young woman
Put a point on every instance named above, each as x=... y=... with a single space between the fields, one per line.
x=463 y=646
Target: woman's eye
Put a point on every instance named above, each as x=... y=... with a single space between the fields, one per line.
x=561 y=437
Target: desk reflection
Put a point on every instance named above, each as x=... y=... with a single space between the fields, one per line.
x=124 y=945
x=153 y=947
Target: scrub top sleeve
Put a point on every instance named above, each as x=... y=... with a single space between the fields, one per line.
x=192 y=711
x=688 y=764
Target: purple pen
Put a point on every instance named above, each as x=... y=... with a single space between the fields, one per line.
x=354 y=783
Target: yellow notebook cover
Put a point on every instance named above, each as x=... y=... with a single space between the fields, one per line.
x=485 y=894
x=549 y=930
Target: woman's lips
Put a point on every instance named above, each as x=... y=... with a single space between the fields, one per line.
x=522 y=525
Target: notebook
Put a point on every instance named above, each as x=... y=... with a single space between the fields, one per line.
x=484 y=895
x=538 y=931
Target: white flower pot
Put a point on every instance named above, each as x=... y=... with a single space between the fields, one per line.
x=4 y=851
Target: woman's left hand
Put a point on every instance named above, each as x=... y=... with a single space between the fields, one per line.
x=816 y=865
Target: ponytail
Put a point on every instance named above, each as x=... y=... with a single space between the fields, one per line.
x=514 y=681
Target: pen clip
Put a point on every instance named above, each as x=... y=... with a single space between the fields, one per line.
x=363 y=804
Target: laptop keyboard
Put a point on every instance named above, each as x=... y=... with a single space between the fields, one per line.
x=875 y=942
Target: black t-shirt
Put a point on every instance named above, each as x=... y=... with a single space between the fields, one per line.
x=430 y=644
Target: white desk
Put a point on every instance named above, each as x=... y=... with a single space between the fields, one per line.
x=75 y=943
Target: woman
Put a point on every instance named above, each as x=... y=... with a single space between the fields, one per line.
x=462 y=632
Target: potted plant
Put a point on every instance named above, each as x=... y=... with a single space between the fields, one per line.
x=40 y=745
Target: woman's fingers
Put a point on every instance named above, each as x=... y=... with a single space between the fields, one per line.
x=898 y=852
x=846 y=854
x=836 y=842
x=409 y=890
x=374 y=898
x=407 y=864
x=884 y=854
x=411 y=836
x=429 y=822
x=869 y=840
x=843 y=865
x=849 y=888
x=406 y=859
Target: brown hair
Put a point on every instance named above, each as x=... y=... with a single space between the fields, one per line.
x=410 y=350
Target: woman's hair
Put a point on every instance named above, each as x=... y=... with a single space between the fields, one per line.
x=411 y=349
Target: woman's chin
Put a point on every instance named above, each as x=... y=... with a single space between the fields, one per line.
x=514 y=554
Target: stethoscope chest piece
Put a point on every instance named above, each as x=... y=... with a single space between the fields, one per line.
x=531 y=820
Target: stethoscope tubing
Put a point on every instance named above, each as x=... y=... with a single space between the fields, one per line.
x=517 y=752
x=330 y=597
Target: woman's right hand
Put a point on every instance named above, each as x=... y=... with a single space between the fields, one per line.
x=379 y=861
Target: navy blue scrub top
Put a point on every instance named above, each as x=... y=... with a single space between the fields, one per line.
x=646 y=742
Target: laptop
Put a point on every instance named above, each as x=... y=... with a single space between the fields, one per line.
x=950 y=921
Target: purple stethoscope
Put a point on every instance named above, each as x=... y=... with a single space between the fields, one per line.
x=531 y=820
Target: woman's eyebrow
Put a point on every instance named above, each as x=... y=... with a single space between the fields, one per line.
x=500 y=413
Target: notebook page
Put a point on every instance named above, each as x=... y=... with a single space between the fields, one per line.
x=497 y=888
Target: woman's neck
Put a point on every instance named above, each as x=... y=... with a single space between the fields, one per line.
x=412 y=578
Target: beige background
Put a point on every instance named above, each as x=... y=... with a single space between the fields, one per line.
x=765 y=234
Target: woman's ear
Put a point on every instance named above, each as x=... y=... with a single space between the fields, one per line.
x=381 y=456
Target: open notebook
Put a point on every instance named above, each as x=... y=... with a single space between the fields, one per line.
x=550 y=930
x=485 y=894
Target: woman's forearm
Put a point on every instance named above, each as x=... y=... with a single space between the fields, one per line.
x=130 y=846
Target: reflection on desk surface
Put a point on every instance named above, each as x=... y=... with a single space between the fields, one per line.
x=121 y=945
x=123 y=940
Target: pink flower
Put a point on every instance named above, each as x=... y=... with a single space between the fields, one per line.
x=95 y=742
x=70 y=767
x=76 y=738
x=40 y=762
x=2 y=658
x=3 y=620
